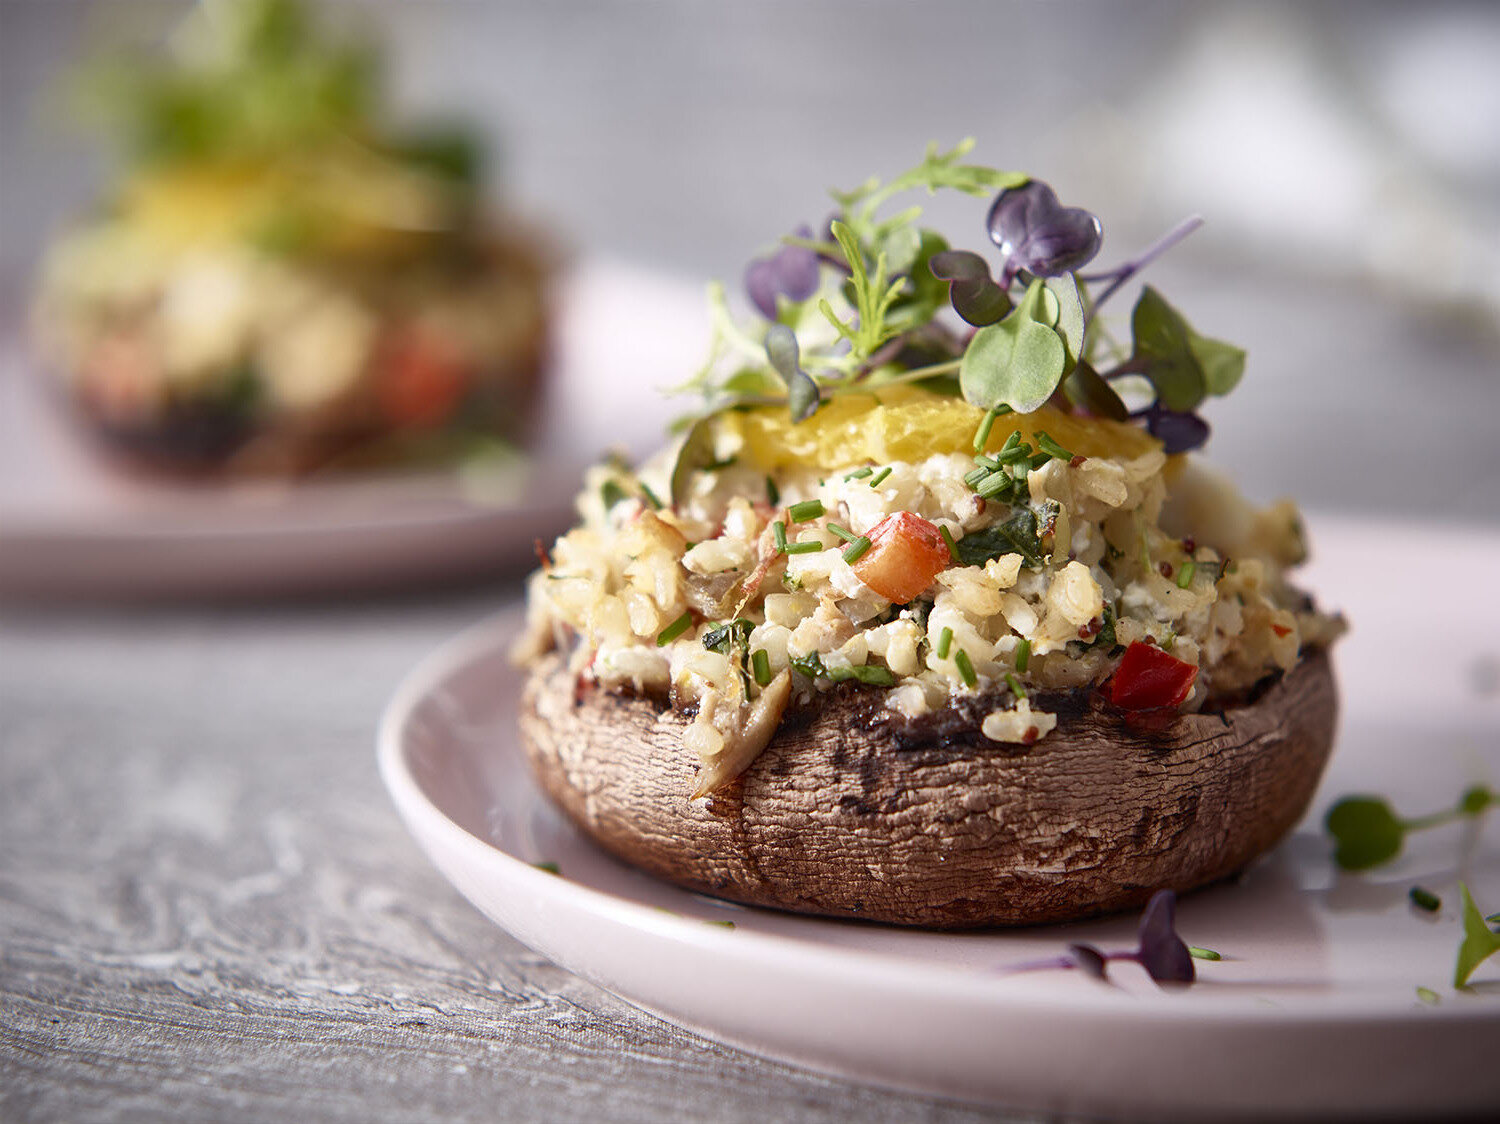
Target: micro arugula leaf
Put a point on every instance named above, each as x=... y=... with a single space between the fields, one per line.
x=1367 y=831
x=1017 y=362
x=1017 y=535
x=801 y=390
x=1479 y=942
x=872 y=299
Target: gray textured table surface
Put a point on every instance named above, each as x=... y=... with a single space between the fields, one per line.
x=209 y=910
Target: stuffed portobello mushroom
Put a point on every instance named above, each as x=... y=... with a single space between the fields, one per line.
x=931 y=616
x=281 y=279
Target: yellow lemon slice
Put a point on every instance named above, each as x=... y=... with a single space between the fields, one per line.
x=906 y=423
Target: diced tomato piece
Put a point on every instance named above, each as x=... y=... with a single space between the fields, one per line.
x=421 y=379
x=906 y=553
x=1148 y=678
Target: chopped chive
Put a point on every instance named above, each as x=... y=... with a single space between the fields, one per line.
x=1012 y=443
x=982 y=434
x=1013 y=456
x=1046 y=444
x=859 y=473
x=1015 y=686
x=965 y=668
x=760 y=667
x=651 y=496
x=1039 y=460
x=945 y=641
x=547 y=867
x=994 y=485
x=1203 y=953
x=990 y=463
x=778 y=533
x=721 y=924
x=674 y=630
x=879 y=476
x=807 y=509
x=1185 y=575
x=1428 y=996
x=842 y=532
x=948 y=539
x=1023 y=654
x=802 y=547
x=871 y=675
x=1425 y=899
x=773 y=493
x=973 y=479
x=856 y=550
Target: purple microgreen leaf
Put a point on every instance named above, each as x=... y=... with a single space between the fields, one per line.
x=959 y=265
x=1163 y=953
x=791 y=272
x=980 y=303
x=1038 y=235
x=1087 y=389
x=785 y=356
x=1178 y=431
x=1089 y=959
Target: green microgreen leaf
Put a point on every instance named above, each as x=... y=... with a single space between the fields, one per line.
x=1163 y=343
x=1479 y=941
x=1017 y=535
x=801 y=391
x=871 y=675
x=872 y=297
x=1366 y=831
x=1017 y=362
x=1069 y=320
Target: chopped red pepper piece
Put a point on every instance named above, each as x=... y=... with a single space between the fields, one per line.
x=1148 y=678
x=906 y=553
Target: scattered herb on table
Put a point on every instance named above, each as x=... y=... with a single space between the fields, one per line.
x=1165 y=956
x=1479 y=943
x=1424 y=899
x=1368 y=832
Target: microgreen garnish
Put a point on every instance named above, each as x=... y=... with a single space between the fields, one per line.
x=807 y=509
x=1165 y=956
x=1479 y=942
x=1424 y=899
x=1368 y=832
x=547 y=867
x=856 y=549
x=1023 y=654
x=965 y=668
x=869 y=300
x=674 y=630
x=879 y=477
x=945 y=641
x=1185 y=575
x=760 y=667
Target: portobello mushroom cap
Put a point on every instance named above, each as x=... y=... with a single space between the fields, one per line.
x=855 y=811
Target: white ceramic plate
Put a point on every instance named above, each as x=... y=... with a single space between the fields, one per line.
x=1314 y=1010
x=72 y=524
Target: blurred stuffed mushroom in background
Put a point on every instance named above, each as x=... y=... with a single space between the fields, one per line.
x=280 y=280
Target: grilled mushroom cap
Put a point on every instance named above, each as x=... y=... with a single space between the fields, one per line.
x=853 y=811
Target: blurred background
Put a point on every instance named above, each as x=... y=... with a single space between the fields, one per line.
x=1345 y=155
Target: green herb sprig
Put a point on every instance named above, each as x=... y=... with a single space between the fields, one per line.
x=1367 y=832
